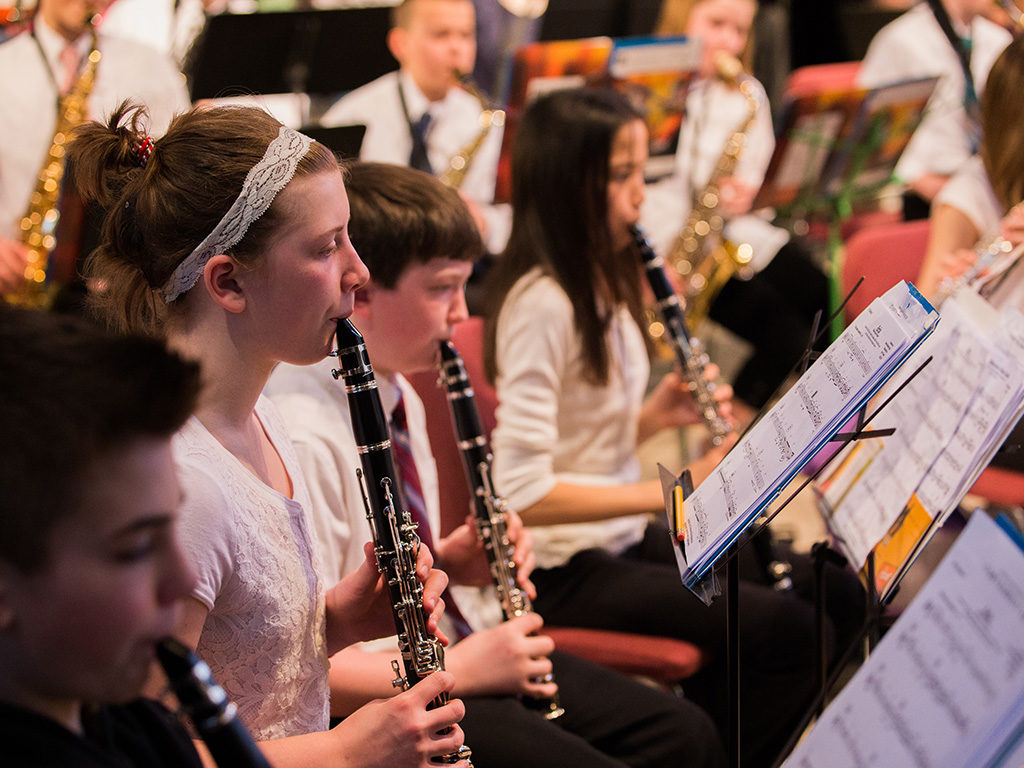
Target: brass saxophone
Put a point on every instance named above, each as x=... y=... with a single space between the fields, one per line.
x=395 y=542
x=39 y=224
x=703 y=269
x=490 y=510
x=490 y=117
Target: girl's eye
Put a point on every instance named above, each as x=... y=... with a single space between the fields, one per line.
x=136 y=549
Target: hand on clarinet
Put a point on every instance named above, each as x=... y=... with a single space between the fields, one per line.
x=401 y=730
x=461 y=554
x=505 y=660
x=359 y=608
x=671 y=404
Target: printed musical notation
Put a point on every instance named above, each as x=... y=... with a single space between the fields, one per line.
x=949 y=421
x=839 y=382
x=945 y=687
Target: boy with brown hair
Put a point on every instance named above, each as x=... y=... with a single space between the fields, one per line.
x=91 y=574
x=419 y=242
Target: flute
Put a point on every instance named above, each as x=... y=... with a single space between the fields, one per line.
x=490 y=510
x=207 y=706
x=689 y=352
x=396 y=544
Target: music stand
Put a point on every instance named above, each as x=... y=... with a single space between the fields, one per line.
x=343 y=140
x=838 y=148
x=315 y=52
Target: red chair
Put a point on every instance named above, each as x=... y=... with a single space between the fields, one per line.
x=818 y=78
x=883 y=256
x=663 y=660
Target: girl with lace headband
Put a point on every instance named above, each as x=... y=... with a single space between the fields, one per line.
x=229 y=236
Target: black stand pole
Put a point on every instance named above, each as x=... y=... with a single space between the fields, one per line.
x=732 y=629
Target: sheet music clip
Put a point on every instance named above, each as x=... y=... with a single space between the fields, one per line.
x=676 y=490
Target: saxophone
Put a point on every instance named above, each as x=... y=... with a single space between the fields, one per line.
x=688 y=350
x=490 y=510
x=705 y=270
x=396 y=544
x=39 y=224
x=490 y=117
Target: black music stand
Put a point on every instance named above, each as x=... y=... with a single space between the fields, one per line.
x=727 y=564
x=343 y=140
x=315 y=52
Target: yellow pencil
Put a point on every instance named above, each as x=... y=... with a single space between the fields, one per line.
x=677 y=511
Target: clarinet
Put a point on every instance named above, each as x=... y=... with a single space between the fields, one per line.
x=689 y=351
x=490 y=510
x=207 y=706
x=396 y=544
x=692 y=359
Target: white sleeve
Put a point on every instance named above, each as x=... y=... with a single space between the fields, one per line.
x=535 y=338
x=206 y=530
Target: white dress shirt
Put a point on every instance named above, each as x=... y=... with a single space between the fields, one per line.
x=29 y=113
x=455 y=123
x=914 y=46
x=970 y=192
x=315 y=409
x=554 y=426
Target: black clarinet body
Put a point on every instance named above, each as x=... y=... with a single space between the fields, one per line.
x=489 y=509
x=689 y=353
x=207 y=706
x=396 y=543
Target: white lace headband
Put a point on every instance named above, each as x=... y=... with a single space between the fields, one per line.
x=268 y=177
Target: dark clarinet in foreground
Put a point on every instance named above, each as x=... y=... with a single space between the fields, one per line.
x=688 y=350
x=395 y=541
x=207 y=706
x=489 y=508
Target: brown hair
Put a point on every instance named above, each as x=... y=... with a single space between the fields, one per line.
x=674 y=18
x=560 y=224
x=1002 y=126
x=157 y=214
x=72 y=395
x=401 y=217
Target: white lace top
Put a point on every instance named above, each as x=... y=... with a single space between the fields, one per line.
x=254 y=552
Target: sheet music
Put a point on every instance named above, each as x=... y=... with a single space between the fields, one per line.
x=925 y=414
x=839 y=381
x=937 y=690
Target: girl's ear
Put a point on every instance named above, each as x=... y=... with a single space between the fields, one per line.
x=220 y=276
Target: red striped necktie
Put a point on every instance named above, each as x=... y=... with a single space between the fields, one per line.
x=412 y=496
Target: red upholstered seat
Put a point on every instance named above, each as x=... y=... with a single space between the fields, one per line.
x=883 y=256
x=661 y=659
x=818 y=78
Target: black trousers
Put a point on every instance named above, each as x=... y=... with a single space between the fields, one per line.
x=640 y=592
x=610 y=721
x=774 y=311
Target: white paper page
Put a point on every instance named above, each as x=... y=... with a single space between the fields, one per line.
x=925 y=415
x=841 y=377
x=943 y=675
